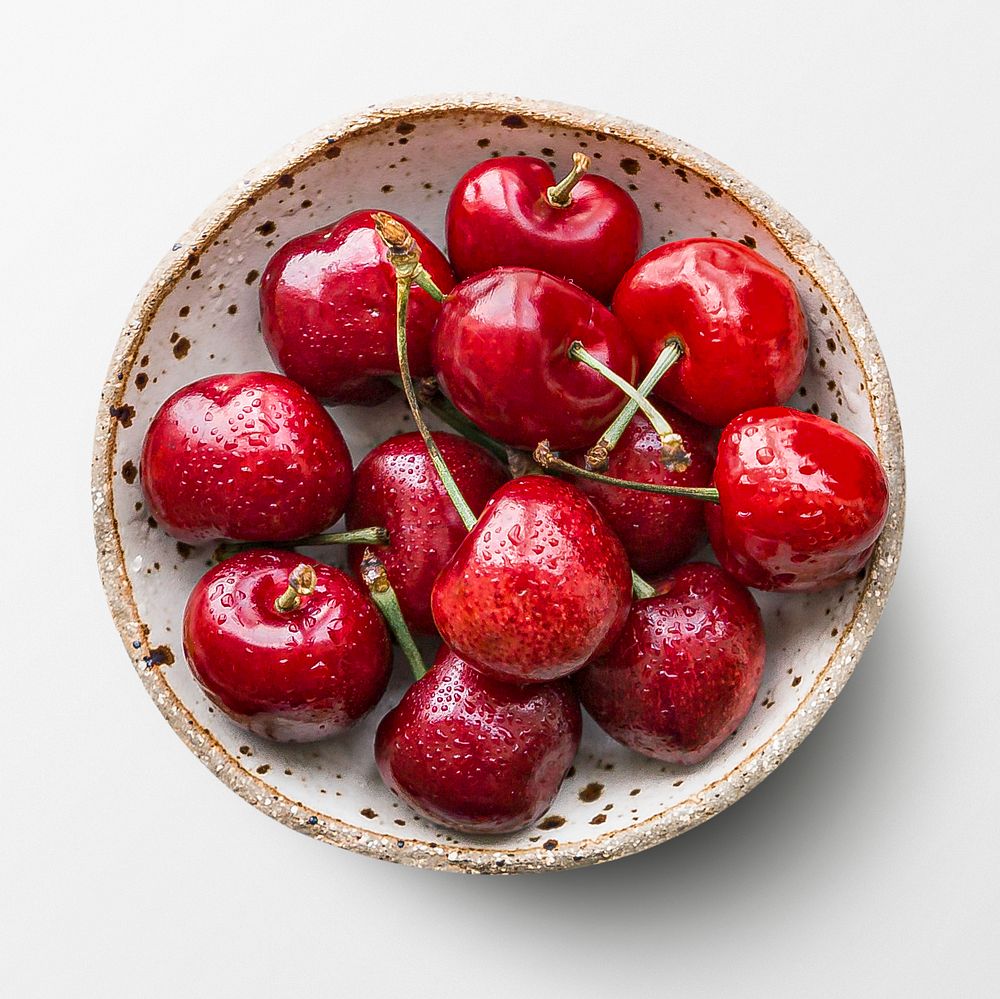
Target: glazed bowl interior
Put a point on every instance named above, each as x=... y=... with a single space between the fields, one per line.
x=199 y=315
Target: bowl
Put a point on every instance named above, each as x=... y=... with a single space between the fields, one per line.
x=198 y=314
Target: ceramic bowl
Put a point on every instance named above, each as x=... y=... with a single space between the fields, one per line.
x=198 y=314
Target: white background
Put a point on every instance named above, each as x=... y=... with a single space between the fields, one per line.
x=867 y=865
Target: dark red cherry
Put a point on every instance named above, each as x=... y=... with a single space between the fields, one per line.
x=250 y=457
x=475 y=753
x=292 y=666
x=328 y=310
x=685 y=669
x=656 y=531
x=501 y=355
x=738 y=317
x=802 y=501
x=537 y=586
x=396 y=487
x=502 y=213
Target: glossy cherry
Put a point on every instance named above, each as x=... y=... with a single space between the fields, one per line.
x=539 y=584
x=396 y=487
x=508 y=212
x=802 y=501
x=501 y=354
x=657 y=532
x=475 y=753
x=250 y=457
x=685 y=669
x=296 y=674
x=738 y=317
x=327 y=310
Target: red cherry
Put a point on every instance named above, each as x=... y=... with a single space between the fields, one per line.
x=657 y=531
x=294 y=675
x=328 y=310
x=502 y=214
x=685 y=670
x=501 y=355
x=250 y=457
x=536 y=587
x=397 y=487
x=738 y=316
x=475 y=753
x=801 y=501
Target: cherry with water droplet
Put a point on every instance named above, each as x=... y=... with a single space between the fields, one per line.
x=802 y=500
x=397 y=487
x=502 y=356
x=510 y=212
x=538 y=585
x=289 y=648
x=248 y=457
x=685 y=669
x=327 y=308
x=475 y=753
x=738 y=318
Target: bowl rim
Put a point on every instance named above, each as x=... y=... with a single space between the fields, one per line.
x=802 y=251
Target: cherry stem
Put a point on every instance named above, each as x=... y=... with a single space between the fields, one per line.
x=674 y=457
x=545 y=458
x=444 y=409
x=641 y=588
x=597 y=456
x=399 y=240
x=301 y=583
x=377 y=580
x=559 y=195
x=404 y=255
x=362 y=536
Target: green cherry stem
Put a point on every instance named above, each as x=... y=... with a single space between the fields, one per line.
x=545 y=457
x=559 y=195
x=597 y=456
x=377 y=580
x=641 y=588
x=362 y=536
x=675 y=458
x=404 y=256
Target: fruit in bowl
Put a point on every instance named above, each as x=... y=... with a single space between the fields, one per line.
x=594 y=407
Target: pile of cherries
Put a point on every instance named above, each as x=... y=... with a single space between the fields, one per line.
x=519 y=540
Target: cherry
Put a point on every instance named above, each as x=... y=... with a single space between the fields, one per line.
x=396 y=486
x=537 y=586
x=742 y=329
x=327 y=307
x=685 y=669
x=288 y=648
x=475 y=753
x=656 y=531
x=801 y=501
x=510 y=212
x=501 y=354
x=249 y=457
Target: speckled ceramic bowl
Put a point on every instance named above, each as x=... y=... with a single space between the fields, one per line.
x=198 y=314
